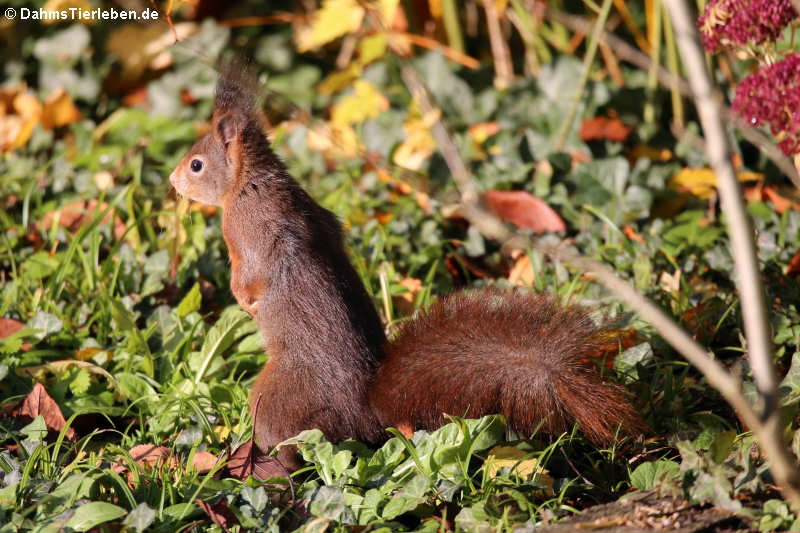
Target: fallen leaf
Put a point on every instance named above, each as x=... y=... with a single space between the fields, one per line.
x=142 y=47
x=75 y=214
x=249 y=460
x=405 y=302
x=794 y=266
x=670 y=283
x=782 y=204
x=59 y=110
x=38 y=402
x=522 y=272
x=204 y=462
x=610 y=343
x=524 y=211
x=631 y=234
x=85 y=354
x=521 y=464
x=21 y=111
x=149 y=455
x=645 y=151
x=481 y=132
x=419 y=143
x=598 y=128
x=219 y=514
x=702 y=182
x=9 y=326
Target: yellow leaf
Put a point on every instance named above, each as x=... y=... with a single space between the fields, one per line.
x=366 y=103
x=59 y=110
x=337 y=81
x=387 y=10
x=435 y=7
x=334 y=140
x=142 y=47
x=371 y=48
x=522 y=272
x=59 y=5
x=702 y=183
x=481 y=132
x=515 y=459
x=17 y=126
x=419 y=143
x=334 y=19
x=222 y=432
x=86 y=354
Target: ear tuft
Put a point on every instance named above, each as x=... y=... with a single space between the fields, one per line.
x=226 y=129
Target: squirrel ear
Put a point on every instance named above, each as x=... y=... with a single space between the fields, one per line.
x=227 y=131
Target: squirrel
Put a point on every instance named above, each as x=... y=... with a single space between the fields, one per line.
x=520 y=354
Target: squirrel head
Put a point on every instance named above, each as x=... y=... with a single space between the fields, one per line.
x=211 y=169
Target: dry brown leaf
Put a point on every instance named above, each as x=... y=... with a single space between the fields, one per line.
x=524 y=211
x=794 y=266
x=59 y=110
x=248 y=461
x=38 y=402
x=142 y=47
x=644 y=151
x=204 y=462
x=405 y=302
x=671 y=283
x=75 y=214
x=522 y=272
x=782 y=204
x=521 y=465
x=21 y=112
x=9 y=326
x=219 y=513
x=481 y=132
x=598 y=128
x=631 y=234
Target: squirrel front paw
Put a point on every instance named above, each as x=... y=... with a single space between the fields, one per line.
x=250 y=306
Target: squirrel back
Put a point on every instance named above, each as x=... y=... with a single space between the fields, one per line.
x=512 y=352
x=483 y=352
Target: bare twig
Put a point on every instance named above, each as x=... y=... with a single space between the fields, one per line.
x=765 y=429
x=769 y=430
x=588 y=59
x=503 y=71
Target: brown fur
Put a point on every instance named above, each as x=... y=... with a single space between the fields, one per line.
x=510 y=352
x=484 y=352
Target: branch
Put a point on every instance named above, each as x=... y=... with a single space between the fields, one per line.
x=766 y=429
x=769 y=430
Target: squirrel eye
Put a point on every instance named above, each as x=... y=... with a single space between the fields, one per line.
x=196 y=165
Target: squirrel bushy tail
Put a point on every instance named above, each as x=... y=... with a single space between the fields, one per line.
x=516 y=353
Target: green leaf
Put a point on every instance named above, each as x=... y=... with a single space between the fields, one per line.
x=140 y=518
x=93 y=514
x=722 y=445
x=328 y=502
x=648 y=476
x=220 y=337
x=36 y=430
x=191 y=302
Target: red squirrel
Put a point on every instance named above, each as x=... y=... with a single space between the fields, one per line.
x=331 y=367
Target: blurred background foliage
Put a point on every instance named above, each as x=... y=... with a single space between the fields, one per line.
x=115 y=292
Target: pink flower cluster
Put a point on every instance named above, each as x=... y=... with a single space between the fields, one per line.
x=772 y=96
x=738 y=22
